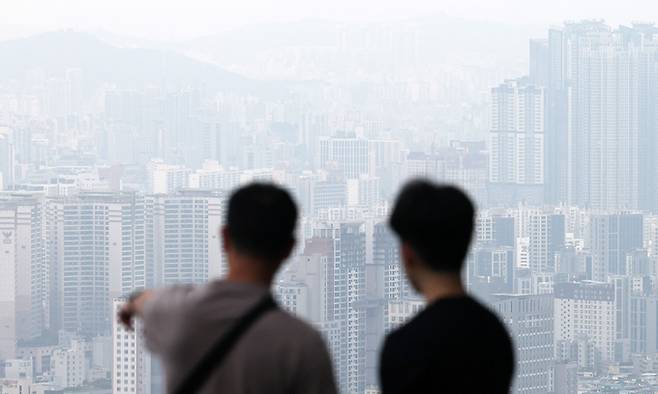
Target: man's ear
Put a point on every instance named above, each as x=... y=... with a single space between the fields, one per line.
x=412 y=265
x=226 y=239
x=408 y=256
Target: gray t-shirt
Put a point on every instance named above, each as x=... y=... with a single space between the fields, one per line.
x=278 y=354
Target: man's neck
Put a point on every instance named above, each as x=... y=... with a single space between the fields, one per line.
x=247 y=269
x=437 y=286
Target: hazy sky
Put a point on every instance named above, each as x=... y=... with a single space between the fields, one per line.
x=175 y=19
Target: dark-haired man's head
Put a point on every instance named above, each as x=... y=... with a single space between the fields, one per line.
x=435 y=225
x=259 y=230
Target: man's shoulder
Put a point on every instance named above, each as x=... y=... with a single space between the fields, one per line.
x=295 y=328
x=401 y=338
x=446 y=317
x=485 y=316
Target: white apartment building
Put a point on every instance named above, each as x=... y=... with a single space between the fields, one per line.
x=517 y=134
x=23 y=286
x=183 y=236
x=131 y=364
x=68 y=365
x=586 y=309
x=351 y=155
x=18 y=369
x=93 y=240
x=166 y=178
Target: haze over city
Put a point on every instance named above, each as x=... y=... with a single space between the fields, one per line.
x=167 y=20
x=125 y=126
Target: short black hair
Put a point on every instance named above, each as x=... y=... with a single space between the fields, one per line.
x=261 y=220
x=436 y=221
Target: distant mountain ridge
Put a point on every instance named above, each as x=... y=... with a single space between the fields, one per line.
x=56 y=52
x=439 y=37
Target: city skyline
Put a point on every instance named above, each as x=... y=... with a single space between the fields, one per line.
x=116 y=162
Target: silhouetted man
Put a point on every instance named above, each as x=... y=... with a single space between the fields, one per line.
x=188 y=326
x=455 y=345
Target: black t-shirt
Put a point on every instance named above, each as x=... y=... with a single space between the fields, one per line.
x=455 y=345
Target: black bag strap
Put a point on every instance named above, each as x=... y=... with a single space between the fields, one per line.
x=198 y=375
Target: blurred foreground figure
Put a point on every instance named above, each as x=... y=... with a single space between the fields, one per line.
x=228 y=336
x=455 y=345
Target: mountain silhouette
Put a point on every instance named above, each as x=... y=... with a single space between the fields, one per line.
x=100 y=63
